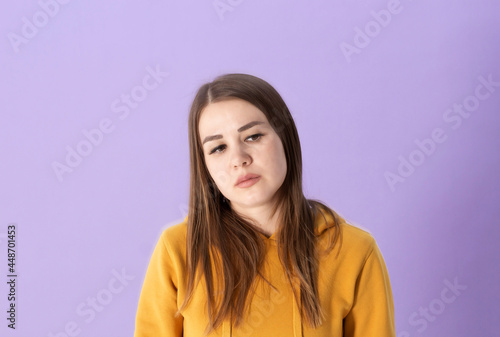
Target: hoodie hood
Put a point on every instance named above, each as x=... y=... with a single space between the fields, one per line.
x=324 y=221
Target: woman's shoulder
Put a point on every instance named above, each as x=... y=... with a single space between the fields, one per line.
x=353 y=239
x=356 y=234
x=174 y=235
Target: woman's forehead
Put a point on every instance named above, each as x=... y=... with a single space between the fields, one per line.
x=229 y=115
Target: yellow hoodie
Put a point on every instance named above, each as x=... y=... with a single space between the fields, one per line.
x=354 y=291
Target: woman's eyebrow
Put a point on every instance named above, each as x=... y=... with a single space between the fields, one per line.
x=243 y=128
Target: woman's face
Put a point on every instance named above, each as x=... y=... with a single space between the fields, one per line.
x=238 y=140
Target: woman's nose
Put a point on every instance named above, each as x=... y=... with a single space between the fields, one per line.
x=240 y=157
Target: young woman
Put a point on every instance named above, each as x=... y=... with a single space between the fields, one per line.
x=254 y=257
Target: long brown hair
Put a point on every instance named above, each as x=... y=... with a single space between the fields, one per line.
x=217 y=234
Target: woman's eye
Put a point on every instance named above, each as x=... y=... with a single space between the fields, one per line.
x=221 y=148
x=256 y=136
x=216 y=149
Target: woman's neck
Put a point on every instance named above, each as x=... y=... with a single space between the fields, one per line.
x=262 y=218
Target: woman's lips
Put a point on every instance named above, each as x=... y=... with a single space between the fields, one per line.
x=248 y=183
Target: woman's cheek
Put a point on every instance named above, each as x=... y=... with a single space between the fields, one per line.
x=220 y=176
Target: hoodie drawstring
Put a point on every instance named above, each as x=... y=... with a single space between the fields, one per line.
x=297 y=322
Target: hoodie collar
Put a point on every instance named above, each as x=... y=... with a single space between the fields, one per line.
x=320 y=224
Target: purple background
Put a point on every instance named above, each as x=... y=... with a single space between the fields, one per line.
x=357 y=116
